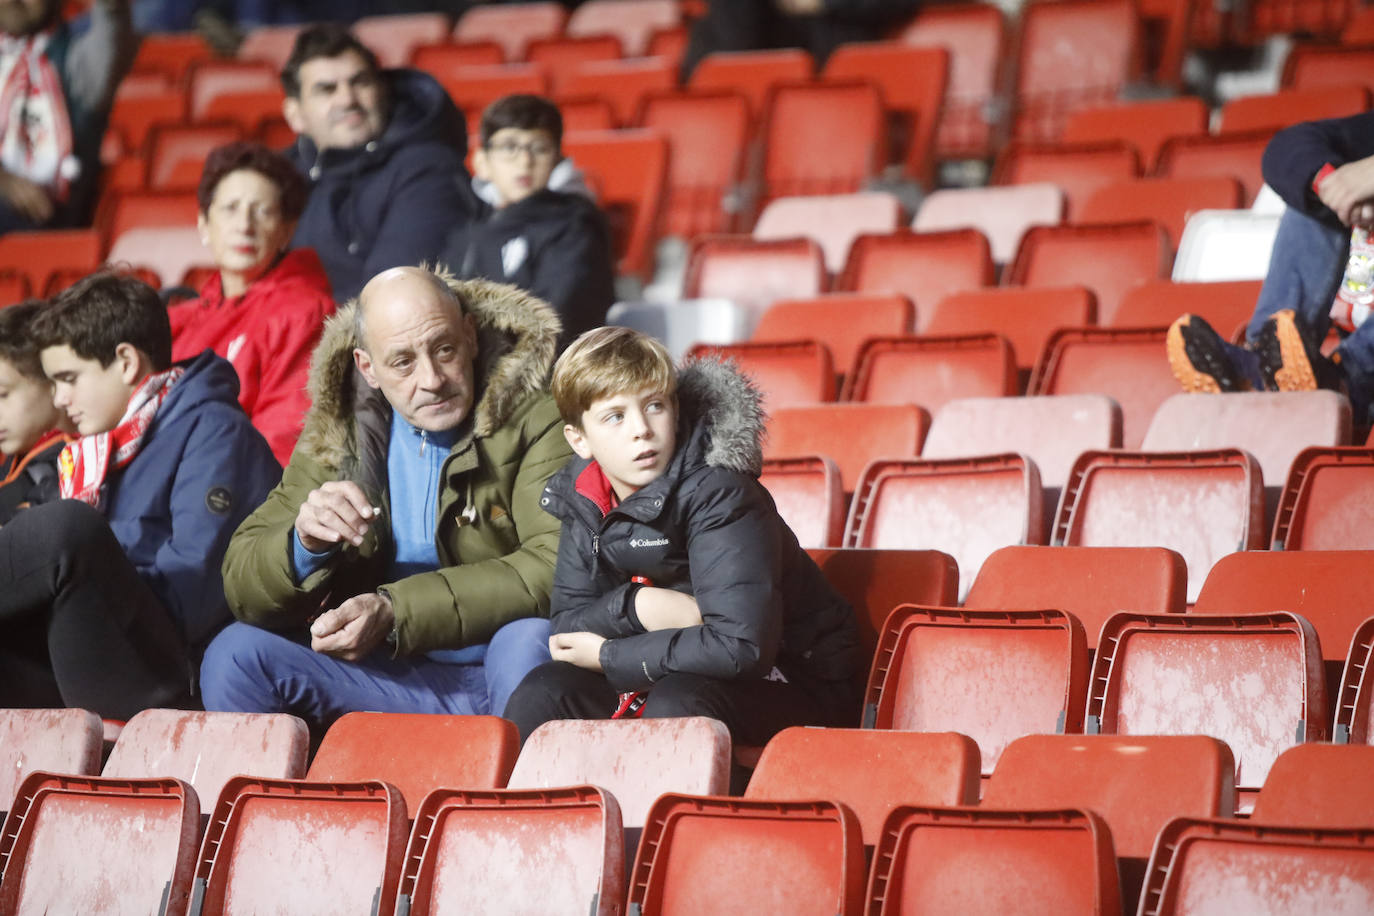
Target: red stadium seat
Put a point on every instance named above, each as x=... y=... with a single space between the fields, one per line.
x=1310 y=66
x=1291 y=106
x=1144 y=125
x=1325 y=504
x=974 y=34
x=1226 y=305
x=393 y=38
x=754 y=273
x=707 y=137
x=1234 y=155
x=1167 y=201
x=56 y=740
x=210 y=79
x=809 y=496
x=171 y=53
x=38 y=254
x=833 y=220
x=632 y=21
x=269 y=44
x=788 y=373
x=850 y=434
x=1077 y=169
x=842 y=320
x=823 y=138
x=924 y=266
x=176 y=153
x=1026 y=317
x=1003 y=214
x=752 y=74
x=563 y=56
x=511 y=25
x=623 y=83
x=629 y=168
x=1318 y=785
x=931 y=371
x=440 y=59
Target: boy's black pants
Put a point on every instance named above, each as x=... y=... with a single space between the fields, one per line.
x=78 y=626
x=753 y=709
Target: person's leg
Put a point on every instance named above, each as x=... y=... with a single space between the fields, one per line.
x=111 y=645
x=247 y=669
x=753 y=709
x=1305 y=270
x=559 y=690
x=514 y=651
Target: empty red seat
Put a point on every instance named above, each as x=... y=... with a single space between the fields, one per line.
x=1167 y=201
x=171 y=53
x=833 y=220
x=1291 y=106
x=842 y=320
x=1077 y=169
x=932 y=370
x=1110 y=260
x=1325 y=504
x=992 y=675
x=511 y=25
x=1052 y=430
x=871 y=771
x=1252 y=680
x=966 y=507
x=1204 y=504
x=788 y=373
x=1235 y=155
x=564 y=55
x=1144 y=125
x=629 y=168
x=752 y=272
x=707 y=135
x=131 y=117
x=1312 y=66
x=1126 y=364
x=851 y=434
x=822 y=138
x=442 y=58
x=1355 y=690
x=983 y=862
x=393 y=37
x=632 y=21
x=974 y=34
x=81 y=844
x=176 y=153
x=1225 y=305
x=809 y=496
x=1091 y=583
x=268 y=44
x=752 y=74
x=56 y=740
x=923 y=266
x=1313 y=785
x=1003 y=214
x=534 y=851
x=474 y=88
x=623 y=83
x=1026 y=317
x=699 y=854
x=37 y=254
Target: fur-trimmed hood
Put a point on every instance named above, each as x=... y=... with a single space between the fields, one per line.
x=725 y=403
x=517 y=337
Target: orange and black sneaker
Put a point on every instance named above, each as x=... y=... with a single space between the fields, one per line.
x=1203 y=362
x=1288 y=360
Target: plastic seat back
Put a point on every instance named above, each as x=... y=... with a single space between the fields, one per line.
x=1144 y=125
x=632 y=21
x=176 y=153
x=1072 y=55
x=563 y=56
x=441 y=59
x=1126 y=364
x=1137 y=784
x=754 y=273
x=636 y=760
x=833 y=220
x=822 y=138
x=698 y=852
x=1003 y=214
x=752 y=74
x=353 y=834
x=1091 y=583
x=417 y=753
x=171 y=53
x=1326 y=501
x=1232 y=866
x=851 y=434
x=931 y=371
x=623 y=83
x=167 y=251
x=38 y=254
x=1291 y=106
x=682 y=325
x=1313 y=785
x=210 y=79
x=1237 y=155
x=991 y=675
x=923 y=266
x=81 y=844
x=967 y=507
x=874 y=581
x=1203 y=504
x=809 y=496
x=1322 y=67
x=1110 y=260
x=707 y=133
x=511 y=25
x=253 y=110
x=55 y=740
x=539 y=851
x=843 y=320
x=473 y=88
x=1167 y=201
x=1226 y=305
x=982 y=863
x=1355 y=693
x=268 y=44
x=870 y=771
x=1226 y=245
x=1026 y=317
x=974 y=34
x=132 y=117
x=1272 y=426
x=797 y=372
x=1077 y=169
x=1052 y=430
x=1252 y=680
x=913 y=82
x=629 y=168
x=394 y=37
x=207 y=748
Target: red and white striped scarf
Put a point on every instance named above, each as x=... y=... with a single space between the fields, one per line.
x=37 y=138
x=84 y=464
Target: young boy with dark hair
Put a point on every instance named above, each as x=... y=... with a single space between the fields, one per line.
x=108 y=595
x=679 y=590
x=32 y=430
x=539 y=228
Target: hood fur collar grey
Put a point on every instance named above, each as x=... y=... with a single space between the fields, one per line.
x=517 y=336
x=717 y=395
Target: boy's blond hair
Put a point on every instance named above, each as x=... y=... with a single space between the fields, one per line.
x=604 y=362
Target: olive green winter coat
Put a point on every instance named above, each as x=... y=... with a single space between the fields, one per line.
x=496 y=557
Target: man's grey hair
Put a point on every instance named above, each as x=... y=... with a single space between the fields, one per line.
x=440 y=286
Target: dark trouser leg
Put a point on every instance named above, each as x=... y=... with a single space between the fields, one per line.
x=111 y=646
x=753 y=709
x=1305 y=270
x=559 y=690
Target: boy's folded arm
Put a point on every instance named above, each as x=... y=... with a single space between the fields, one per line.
x=582 y=604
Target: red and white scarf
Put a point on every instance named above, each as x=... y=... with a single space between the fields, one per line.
x=37 y=138
x=84 y=464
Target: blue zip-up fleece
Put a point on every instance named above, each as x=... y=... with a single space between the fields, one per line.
x=202 y=469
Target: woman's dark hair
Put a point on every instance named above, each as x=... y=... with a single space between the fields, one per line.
x=275 y=167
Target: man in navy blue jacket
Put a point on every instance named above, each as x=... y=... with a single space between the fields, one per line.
x=383 y=151
x=1324 y=171
x=108 y=595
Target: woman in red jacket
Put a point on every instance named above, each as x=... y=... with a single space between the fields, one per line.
x=264 y=308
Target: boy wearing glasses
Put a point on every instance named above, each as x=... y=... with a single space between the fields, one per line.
x=539 y=228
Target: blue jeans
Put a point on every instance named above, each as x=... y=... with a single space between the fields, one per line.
x=247 y=669
x=1305 y=270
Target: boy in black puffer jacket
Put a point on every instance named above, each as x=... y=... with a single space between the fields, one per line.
x=679 y=589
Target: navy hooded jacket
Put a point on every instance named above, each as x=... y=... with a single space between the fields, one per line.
x=392 y=201
x=1295 y=155
x=202 y=469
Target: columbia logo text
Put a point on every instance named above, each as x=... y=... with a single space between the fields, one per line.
x=647 y=542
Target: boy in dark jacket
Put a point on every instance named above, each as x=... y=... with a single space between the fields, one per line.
x=32 y=430
x=539 y=228
x=679 y=590
x=108 y=595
